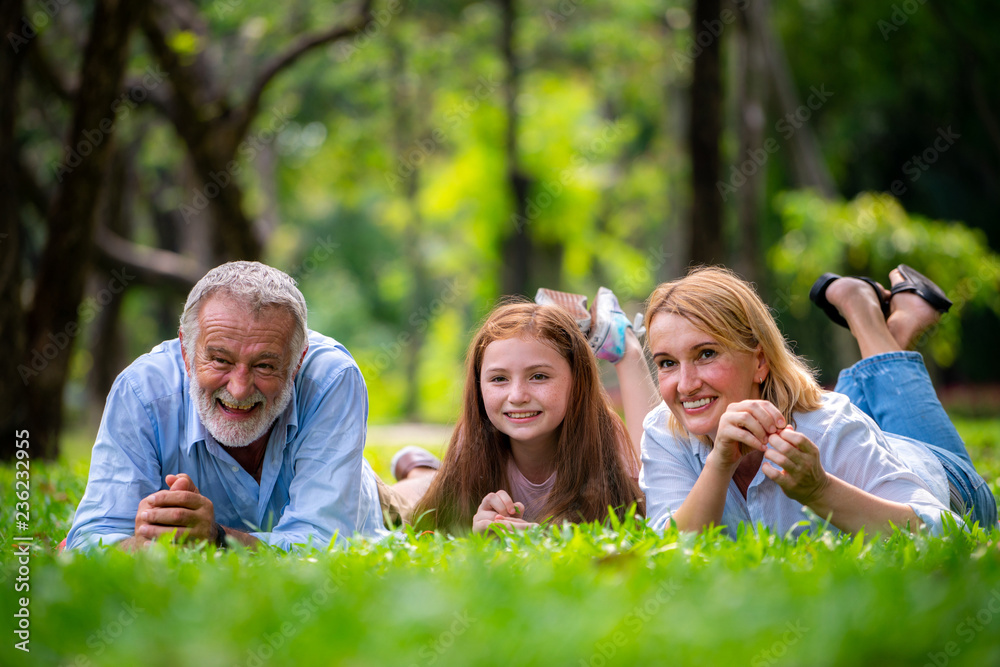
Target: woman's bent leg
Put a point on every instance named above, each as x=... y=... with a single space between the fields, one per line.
x=969 y=490
x=895 y=390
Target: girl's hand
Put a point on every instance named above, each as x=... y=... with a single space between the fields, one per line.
x=802 y=477
x=744 y=427
x=499 y=508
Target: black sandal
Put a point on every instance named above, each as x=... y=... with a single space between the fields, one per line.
x=922 y=286
x=818 y=296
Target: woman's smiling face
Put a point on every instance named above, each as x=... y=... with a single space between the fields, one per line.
x=698 y=377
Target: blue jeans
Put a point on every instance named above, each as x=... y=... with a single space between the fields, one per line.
x=895 y=390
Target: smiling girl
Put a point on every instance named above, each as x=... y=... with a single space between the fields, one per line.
x=538 y=437
x=746 y=435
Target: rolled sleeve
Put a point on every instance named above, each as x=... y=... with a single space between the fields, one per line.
x=867 y=461
x=666 y=477
x=333 y=492
x=124 y=469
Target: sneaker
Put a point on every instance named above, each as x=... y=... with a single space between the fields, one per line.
x=574 y=304
x=410 y=457
x=607 y=335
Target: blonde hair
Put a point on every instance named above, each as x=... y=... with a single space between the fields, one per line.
x=723 y=305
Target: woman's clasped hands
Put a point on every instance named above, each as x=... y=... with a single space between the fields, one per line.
x=794 y=459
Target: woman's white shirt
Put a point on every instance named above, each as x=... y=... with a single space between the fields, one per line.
x=852 y=447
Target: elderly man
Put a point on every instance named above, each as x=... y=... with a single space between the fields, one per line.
x=248 y=427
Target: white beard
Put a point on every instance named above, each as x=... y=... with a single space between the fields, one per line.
x=240 y=433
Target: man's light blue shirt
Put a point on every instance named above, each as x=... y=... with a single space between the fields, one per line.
x=315 y=483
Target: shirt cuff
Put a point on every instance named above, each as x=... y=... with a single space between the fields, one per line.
x=86 y=541
x=933 y=517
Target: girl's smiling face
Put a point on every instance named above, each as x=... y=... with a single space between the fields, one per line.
x=698 y=377
x=525 y=385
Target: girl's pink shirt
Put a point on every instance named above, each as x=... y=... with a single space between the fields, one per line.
x=534 y=495
x=524 y=491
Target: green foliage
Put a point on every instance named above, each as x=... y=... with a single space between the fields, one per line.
x=410 y=179
x=566 y=594
x=590 y=594
x=872 y=234
x=394 y=155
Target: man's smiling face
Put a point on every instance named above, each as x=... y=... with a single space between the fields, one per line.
x=242 y=372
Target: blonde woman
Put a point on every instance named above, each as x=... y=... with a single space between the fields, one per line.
x=746 y=435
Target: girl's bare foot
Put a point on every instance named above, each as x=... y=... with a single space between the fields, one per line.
x=909 y=315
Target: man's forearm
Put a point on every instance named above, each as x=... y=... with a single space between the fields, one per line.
x=246 y=539
x=133 y=543
x=137 y=542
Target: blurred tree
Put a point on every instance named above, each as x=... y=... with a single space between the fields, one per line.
x=433 y=155
x=870 y=235
x=52 y=323
x=79 y=219
x=213 y=127
x=12 y=329
x=705 y=227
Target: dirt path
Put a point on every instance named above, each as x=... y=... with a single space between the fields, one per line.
x=397 y=435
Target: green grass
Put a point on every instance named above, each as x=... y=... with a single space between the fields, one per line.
x=577 y=595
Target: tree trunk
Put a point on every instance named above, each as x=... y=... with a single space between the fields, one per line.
x=14 y=415
x=706 y=242
x=215 y=131
x=55 y=318
x=409 y=104
x=750 y=74
x=518 y=247
x=106 y=342
x=808 y=166
x=209 y=132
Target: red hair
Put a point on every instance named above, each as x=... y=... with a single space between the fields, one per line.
x=594 y=462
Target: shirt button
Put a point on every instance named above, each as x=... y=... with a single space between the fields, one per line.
x=235 y=468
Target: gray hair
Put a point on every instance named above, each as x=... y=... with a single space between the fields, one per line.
x=254 y=285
